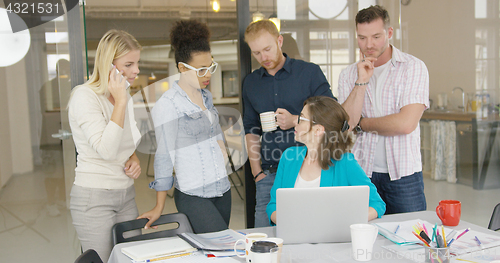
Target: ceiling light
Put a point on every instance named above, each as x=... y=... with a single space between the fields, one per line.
x=274 y=18
x=257 y=16
x=276 y=21
x=215 y=5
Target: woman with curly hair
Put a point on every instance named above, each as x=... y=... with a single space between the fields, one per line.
x=324 y=160
x=189 y=137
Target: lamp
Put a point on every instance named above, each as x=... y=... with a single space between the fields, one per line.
x=276 y=22
x=13 y=46
x=257 y=16
x=274 y=18
x=153 y=77
x=215 y=5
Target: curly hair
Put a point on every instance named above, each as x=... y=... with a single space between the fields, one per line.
x=188 y=37
x=329 y=113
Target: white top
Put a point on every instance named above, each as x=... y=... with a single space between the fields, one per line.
x=209 y=115
x=379 y=77
x=103 y=147
x=301 y=183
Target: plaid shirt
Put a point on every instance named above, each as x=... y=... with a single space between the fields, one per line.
x=407 y=82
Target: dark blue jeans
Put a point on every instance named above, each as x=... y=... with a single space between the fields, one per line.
x=205 y=214
x=403 y=195
x=262 y=198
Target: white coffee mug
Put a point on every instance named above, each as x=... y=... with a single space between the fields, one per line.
x=248 y=241
x=363 y=236
x=268 y=121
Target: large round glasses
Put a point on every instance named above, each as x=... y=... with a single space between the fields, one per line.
x=201 y=72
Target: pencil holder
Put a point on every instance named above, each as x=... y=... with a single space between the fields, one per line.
x=437 y=255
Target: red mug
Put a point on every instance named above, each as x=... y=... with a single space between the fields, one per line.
x=449 y=212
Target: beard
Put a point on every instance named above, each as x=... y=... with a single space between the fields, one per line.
x=273 y=63
x=376 y=52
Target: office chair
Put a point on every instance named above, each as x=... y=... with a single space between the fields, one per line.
x=89 y=256
x=179 y=218
x=495 y=219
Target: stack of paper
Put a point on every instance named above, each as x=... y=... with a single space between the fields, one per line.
x=403 y=234
x=155 y=249
x=216 y=241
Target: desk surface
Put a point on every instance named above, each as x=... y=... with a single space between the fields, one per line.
x=329 y=252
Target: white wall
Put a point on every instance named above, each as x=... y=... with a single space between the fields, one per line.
x=442 y=34
x=18 y=114
x=5 y=149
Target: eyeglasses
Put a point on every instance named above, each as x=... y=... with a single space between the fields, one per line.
x=304 y=119
x=201 y=72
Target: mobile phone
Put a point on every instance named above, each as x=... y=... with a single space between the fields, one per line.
x=126 y=82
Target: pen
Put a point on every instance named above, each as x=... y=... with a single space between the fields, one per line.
x=478 y=242
x=425 y=229
x=444 y=236
x=451 y=241
x=434 y=232
x=416 y=229
x=421 y=239
x=466 y=260
x=451 y=234
x=439 y=241
x=419 y=226
x=425 y=237
x=397 y=228
x=168 y=257
x=465 y=231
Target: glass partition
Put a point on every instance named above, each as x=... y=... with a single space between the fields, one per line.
x=38 y=154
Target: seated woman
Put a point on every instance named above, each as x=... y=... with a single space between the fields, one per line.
x=325 y=159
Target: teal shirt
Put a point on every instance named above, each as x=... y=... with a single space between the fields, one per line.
x=344 y=172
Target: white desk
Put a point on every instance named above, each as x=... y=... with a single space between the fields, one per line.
x=330 y=252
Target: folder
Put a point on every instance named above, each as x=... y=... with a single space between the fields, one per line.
x=160 y=248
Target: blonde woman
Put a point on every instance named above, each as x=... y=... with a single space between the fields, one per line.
x=106 y=135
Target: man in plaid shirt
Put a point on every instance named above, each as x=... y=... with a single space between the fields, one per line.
x=385 y=94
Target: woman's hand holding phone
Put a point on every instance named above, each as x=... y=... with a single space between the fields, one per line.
x=117 y=85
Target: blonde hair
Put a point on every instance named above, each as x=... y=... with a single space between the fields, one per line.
x=114 y=44
x=255 y=28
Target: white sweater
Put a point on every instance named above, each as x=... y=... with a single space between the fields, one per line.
x=103 y=147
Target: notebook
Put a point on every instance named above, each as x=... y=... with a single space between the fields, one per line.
x=160 y=248
x=320 y=215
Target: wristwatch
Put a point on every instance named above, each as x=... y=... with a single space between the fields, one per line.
x=358 y=129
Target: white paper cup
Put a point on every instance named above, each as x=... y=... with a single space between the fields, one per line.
x=268 y=121
x=277 y=241
x=248 y=241
x=363 y=236
x=270 y=257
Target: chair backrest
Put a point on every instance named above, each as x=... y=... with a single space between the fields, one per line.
x=89 y=256
x=495 y=219
x=179 y=218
